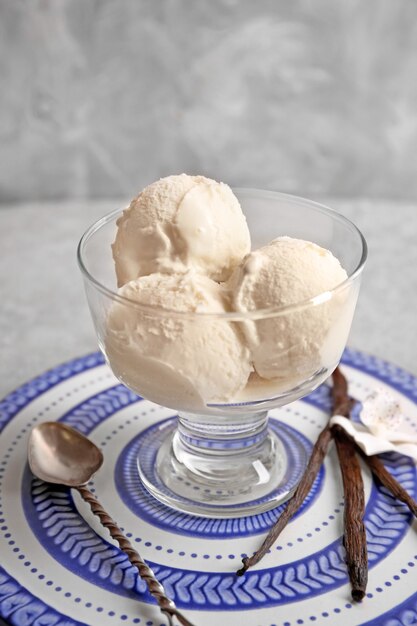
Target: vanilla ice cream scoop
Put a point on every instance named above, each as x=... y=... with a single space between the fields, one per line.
x=287 y=272
x=176 y=360
x=180 y=222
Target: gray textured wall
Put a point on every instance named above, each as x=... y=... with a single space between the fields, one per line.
x=99 y=97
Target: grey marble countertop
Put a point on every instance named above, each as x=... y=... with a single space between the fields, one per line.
x=44 y=318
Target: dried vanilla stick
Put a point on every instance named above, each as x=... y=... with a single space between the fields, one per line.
x=354 y=534
x=341 y=404
x=386 y=479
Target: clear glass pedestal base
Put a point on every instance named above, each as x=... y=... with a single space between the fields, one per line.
x=225 y=470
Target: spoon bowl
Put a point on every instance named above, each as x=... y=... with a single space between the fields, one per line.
x=60 y=454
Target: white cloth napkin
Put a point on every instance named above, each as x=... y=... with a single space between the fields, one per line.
x=380 y=428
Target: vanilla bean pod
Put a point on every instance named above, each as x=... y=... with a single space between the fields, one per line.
x=292 y=506
x=341 y=406
x=374 y=463
x=342 y=403
x=354 y=535
x=378 y=469
x=380 y=472
x=386 y=479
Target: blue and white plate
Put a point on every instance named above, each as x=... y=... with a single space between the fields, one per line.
x=58 y=567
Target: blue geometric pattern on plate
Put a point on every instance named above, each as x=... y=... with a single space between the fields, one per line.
x=404 y=614
x=135 y=496
x=391 y=374
x=55 y=521
x=378 y=519
x=21 y=606
x=18 y=399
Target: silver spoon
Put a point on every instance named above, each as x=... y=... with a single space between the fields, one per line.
x=60 y=454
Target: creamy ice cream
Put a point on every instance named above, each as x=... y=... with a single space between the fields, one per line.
x=182 y=250
x=180 y=222
x=287 y=272
x=176 y=359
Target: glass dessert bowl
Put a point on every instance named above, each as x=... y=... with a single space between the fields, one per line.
x=222 y=371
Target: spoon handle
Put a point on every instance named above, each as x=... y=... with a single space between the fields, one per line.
x=166 y=605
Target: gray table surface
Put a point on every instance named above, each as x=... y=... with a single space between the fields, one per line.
x=44 y=318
